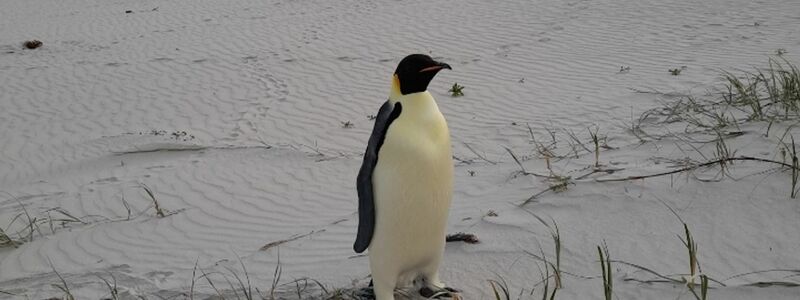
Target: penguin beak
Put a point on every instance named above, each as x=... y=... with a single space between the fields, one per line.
x=435 y=68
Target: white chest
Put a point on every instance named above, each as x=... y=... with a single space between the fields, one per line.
x=415 y=166
x=419 y=137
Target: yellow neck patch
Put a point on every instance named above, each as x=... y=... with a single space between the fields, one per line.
x=395 y=93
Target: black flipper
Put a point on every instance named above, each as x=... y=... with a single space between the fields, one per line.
x=366 y=204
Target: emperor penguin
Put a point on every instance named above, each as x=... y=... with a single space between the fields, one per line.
x=405 y=183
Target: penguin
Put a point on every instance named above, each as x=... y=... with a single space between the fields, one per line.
x=405 y=184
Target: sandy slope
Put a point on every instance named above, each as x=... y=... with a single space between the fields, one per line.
x=263 y=88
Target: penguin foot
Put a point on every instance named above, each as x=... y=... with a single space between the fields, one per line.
x=366 y=293
x=439 y=293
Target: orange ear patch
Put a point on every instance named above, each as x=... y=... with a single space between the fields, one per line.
x=395 y=92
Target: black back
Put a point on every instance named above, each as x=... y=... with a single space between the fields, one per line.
x=366 y=200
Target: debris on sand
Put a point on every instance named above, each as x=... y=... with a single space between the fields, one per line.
x=32 y=44
x=462 y=237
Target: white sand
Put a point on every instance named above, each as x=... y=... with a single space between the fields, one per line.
x=265 y=86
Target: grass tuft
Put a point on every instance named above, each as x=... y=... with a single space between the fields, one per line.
x=160 y=212
x=6 y=240
x=691 y=246
x=503 y=286
x=765 y=94
x=555 y=234
x=596 y=142
x=795 y=172
x=770 y=92
x=64 y=287
x=207 y=277
x=605 y=265
x=112 y=286
x=276 y=276
x=194 y=279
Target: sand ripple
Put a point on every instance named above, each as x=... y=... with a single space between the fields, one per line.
x=263 y=90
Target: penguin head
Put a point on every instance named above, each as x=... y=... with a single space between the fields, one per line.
x=416 y=71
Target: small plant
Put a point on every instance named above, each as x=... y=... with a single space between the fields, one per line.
x=703 y=289
x=722 y=154
x=744 y=94
x=347 y=124
x=240 y=286
x=559 y=183
x=596 y=141
x=503 y=286
x=37 y=222
x=160 y=212
x=457 y=90
x=691 y=246
x=63 y=286
x=546 y=276
x=795 y=168
x=766 y=94
x=244 y=286
x=6 y=240
x=112 y=286
x=605 y=265
x=624 y=69
x=32 y=44
x=31 y=225
x=555 y=234
x=675 y=72
x=276 y=276
x=769 y=93
x=371 y=117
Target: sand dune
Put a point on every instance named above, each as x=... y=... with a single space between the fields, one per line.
x=233 y=113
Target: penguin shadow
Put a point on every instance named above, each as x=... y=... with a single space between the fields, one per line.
x=420 y=290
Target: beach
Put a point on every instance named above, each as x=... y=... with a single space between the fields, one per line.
x=149 y=142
